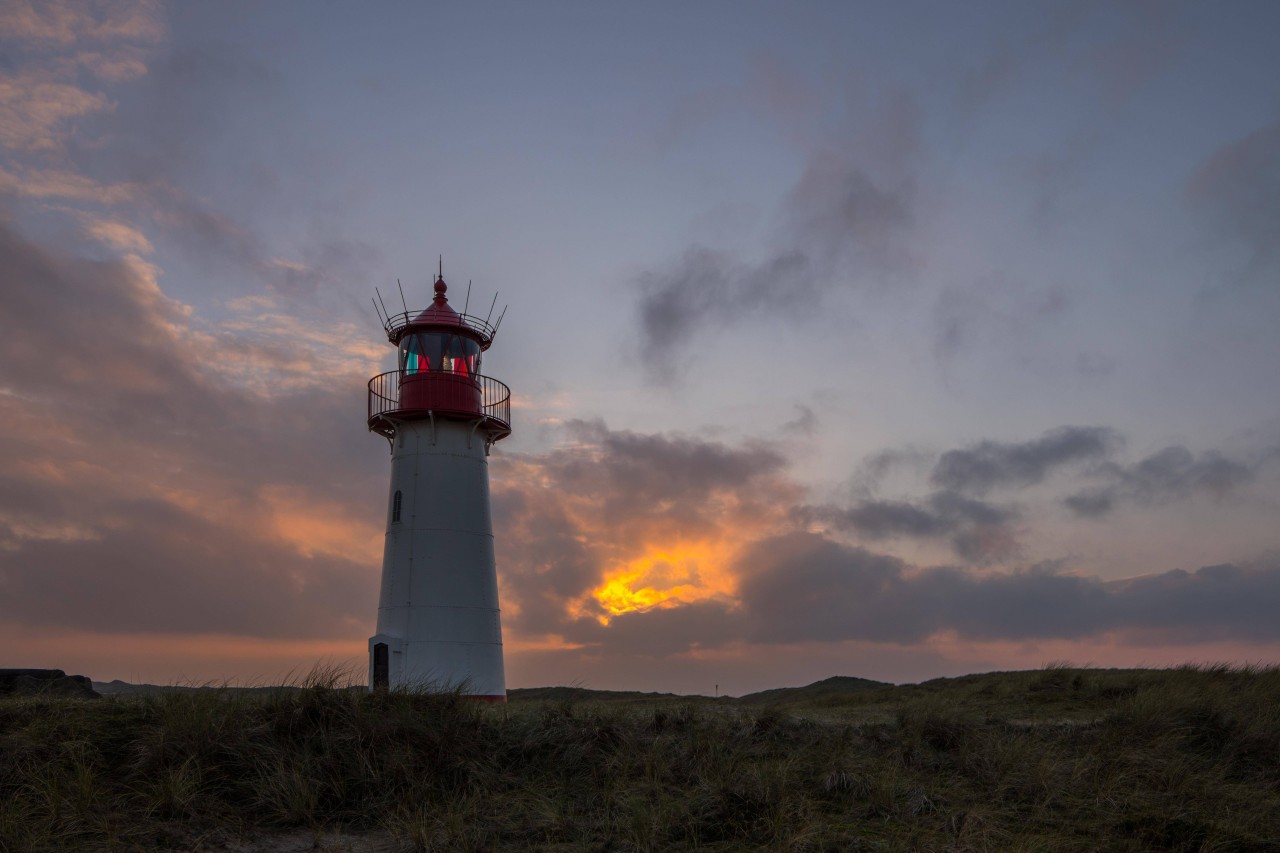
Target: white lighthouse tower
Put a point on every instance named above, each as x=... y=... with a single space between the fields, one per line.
x=438 y=617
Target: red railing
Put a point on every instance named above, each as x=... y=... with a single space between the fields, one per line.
x=395 y=394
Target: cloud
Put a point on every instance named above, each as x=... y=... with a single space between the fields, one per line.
x=545 y=556
x=162 y=474
x=182 y=123
x=1174 y=473
x=619 y=545
x=1237 y=189
x=65 y=22
x=93 y=303
x=1087 y=453
x=661 y=632
x=709 y=288
x=1091 y=503
x=878 y=519
x=615 y=520
x=807 y=588
x=119 y=235
x=117 y=67
x=873 y=470
x=1214 y=602
x=145 y=489
x=841 y=210
x=1010 y=62
x=131 y=355
x=39 y=100
x=992 y=310
x=159 y=569
x=56 y=183
x=1137 y=43
x=59 y=113
x=990 y=464
x=804 y=423
x=222 y=243
x=801 y=587
x=34 y=110
x=661 y=470
x=844 y=224
x=156 y=154
x=979 y=532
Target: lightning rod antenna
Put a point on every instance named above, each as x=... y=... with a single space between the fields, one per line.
x=381 y=319
x=491 y=304
x=498 y=324
x=468 y=299
x=385 y=312
x=440 y=272
x=402 y=302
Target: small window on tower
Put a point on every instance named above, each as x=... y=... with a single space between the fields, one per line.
x=395 y=508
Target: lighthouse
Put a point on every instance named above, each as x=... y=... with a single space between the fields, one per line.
x=438 y=617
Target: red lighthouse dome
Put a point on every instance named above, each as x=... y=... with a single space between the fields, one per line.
x=441 y=313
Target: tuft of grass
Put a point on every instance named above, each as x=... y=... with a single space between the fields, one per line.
x=1062 y=758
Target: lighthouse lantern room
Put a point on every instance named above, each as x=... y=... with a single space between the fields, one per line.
x=438 y=615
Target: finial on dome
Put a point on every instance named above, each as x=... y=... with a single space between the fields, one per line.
x=441 y=287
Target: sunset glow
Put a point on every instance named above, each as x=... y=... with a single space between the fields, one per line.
x=665 y=578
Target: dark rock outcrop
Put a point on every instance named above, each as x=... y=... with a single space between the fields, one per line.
x=45 y=682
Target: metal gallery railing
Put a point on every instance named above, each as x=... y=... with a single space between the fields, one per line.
x=443 y=392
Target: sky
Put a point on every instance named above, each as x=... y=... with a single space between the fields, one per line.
x=895 y=340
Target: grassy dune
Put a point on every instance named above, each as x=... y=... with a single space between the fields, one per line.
x=1057 y=759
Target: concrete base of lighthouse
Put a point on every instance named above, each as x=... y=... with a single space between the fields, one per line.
x=439 y=625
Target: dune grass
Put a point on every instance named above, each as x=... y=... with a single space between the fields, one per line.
x=1056 y=759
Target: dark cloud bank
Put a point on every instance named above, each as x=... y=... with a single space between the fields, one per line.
x=803 y=587
x=850 y=593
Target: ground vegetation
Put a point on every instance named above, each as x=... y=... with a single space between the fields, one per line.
x=1062 y=758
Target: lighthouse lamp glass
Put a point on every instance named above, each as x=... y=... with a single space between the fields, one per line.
x=439 y=351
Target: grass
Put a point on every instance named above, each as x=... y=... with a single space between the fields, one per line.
x=1057 y=759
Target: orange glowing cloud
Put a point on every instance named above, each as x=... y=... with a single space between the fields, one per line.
x=613 y=523
x=310 y=525
x=666 y=577
x=317 y=526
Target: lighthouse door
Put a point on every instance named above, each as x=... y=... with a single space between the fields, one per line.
x=381 y=676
